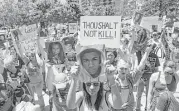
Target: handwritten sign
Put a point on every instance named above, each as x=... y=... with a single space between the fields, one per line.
x=151 y=22
x=100 y=30
x=28 y=40
x=72 y=28
x=28 y=45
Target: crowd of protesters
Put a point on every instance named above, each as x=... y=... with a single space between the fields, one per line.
x=92 y=78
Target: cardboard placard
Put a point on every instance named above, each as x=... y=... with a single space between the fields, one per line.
x=73 y=27
x=27 y=38
x=100 y=30
x=56 y=56
x=176 y=27
x=137 y=18
x=152 y=23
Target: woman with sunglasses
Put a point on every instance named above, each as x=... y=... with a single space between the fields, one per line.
x=160 y=82
x=92 y=97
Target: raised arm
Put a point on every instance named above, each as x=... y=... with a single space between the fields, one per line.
x=150 y=91
x=40 y=48
x=142 y=63
x=123 y=56
x=113 y=97
x=74 y=98
x=137 y=73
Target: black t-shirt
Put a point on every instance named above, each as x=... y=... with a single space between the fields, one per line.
x=152 y=63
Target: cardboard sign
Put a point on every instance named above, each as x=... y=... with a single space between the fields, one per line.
x=176 y=27
x=28 y=39
x=137 y=18
x=154 y=28
x=152 y=23
x=72 y=28
x=56 y=57
x=28 y=45
x=100 y=30
x=168 y=21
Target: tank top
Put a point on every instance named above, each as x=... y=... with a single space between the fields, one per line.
x=103 y=107
x=171 y=87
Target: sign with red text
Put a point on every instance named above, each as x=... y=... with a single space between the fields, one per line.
x=100 y=30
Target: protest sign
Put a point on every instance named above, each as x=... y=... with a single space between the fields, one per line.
x=152 y=23
x=55 y=57
x=28 y=45
x=28 y=38
x=137 y=18
x=100 y=30
x=72 y=28
x=176 y=27
x=168 y=21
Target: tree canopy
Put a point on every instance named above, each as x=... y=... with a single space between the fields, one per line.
x=30 y=11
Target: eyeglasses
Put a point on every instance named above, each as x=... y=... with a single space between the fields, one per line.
x=94 y=84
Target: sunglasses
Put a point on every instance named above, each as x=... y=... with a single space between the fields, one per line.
x=94 y=84
x=172 y=66
x=169 y=73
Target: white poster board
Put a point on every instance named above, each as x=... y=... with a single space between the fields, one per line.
x=29 y=37
x=148 y=22
x=100 y=30
x=72 y=28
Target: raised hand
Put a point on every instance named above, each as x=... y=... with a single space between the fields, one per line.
x=110 y=72
x=75 y=70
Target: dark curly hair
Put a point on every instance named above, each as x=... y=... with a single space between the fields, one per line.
x=98 y=99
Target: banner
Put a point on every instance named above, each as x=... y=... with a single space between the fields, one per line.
x=100 y=30
x=152 y=23
x=28 y=38
x=72 y=28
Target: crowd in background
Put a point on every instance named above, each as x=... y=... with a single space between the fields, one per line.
x=92 y=78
